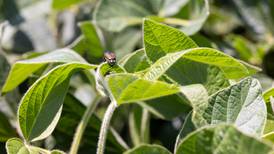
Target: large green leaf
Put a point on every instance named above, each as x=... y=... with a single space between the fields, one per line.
x=230 y=66
x=148 y=149
x=41 y=106
x=223 y=139
x=72 y=113
x=166 y=107
x=23 y=68
x=127 y=88
x=160 y=40
x=6 y=130
x=241 y=104
x=115 y=15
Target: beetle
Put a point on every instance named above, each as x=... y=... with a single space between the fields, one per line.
x=110 y=58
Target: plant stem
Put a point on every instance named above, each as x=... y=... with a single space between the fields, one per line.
x=82 y=125
x=104 y=128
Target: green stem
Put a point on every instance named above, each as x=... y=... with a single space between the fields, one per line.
x=82 y=125
x=104 y=128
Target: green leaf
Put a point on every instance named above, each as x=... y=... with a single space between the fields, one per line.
x=16 y=146
x=23 y=68
x=148 y=149
x=160 y=39
x=136 y=61
x=63 y=4
x=230 y=66
x=89 y=43
x=115 y=15
x=184 y=71
x=41 y=106
x=240 y=104
x=6 y=130
x=127 y=88
x=221 y=139
x=72 y=113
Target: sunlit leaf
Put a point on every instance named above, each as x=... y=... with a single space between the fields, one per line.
x=221 y=139
x=241 y=104
x=23 y=68
x=41 y=106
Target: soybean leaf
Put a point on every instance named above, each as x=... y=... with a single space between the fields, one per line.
x=127 y=88
x=148 y=149
x=184 y=71
x=135 y=62
x=230 y=66
x=160 y=39
x=73 y=111
x=115 y=15
x=89 y=43
x=6 y=130
x=221 y=139
x=41 y=106
x=241 y=104
x=23 y=68
x=16 y=146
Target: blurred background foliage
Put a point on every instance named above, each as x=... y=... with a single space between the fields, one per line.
x=240 y=28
